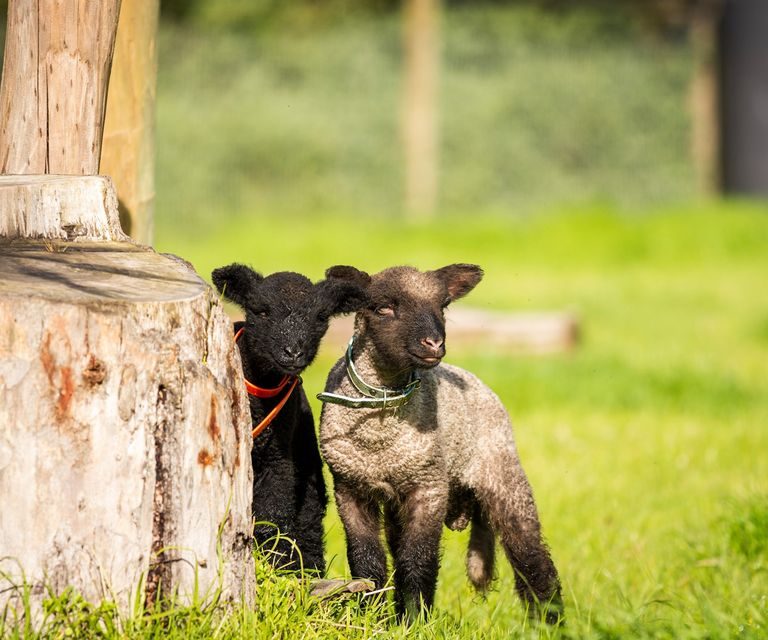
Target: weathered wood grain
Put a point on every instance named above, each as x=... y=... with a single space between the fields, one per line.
x=51 y=207
x=54 y=86
x=124 y=426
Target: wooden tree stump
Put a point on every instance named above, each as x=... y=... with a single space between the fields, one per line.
x=58 y=208
x=124 y=426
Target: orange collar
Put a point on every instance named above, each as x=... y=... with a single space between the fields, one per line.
x=261 y=392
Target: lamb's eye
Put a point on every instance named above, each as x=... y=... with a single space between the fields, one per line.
x=262 y=314
x=384 y=310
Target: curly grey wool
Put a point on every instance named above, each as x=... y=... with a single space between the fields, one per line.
x=447 y=456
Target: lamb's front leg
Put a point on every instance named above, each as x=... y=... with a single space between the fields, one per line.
x=414 y=533
x=360 y=516
x=311 y=497
x=310 y=512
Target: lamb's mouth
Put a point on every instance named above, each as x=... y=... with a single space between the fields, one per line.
x=293 y=371
x=426 y=361
x=290 y=369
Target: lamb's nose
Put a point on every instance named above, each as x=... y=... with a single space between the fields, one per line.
x=293 y=352
x=432 y=343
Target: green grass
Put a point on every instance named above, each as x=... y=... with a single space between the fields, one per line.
x=645 y=446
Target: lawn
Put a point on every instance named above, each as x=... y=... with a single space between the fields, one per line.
x=645 y=446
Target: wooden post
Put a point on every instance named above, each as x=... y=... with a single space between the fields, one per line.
x=420 y=106
x=53 y=93
x=124 y=423
x=129 y=131
x=705 y=96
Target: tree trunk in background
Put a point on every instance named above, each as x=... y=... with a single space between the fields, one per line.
x=705 y=97
x=744 y=52
x=420 y=106
x=129 y=132
x=124 y=423
x=53 y=95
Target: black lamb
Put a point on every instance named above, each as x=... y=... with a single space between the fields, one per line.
x=286 y=316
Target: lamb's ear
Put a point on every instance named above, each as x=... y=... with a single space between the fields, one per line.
x=345 y=289
x=459 y=279
x=235 y=282
x=350 y=274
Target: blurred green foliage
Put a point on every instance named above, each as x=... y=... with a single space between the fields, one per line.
x=255 y=15
x=536 y=109
x=245 y=14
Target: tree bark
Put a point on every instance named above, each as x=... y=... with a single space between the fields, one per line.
x=129 y=131
x=124 y=424
x=54 y=87
x=420 y=106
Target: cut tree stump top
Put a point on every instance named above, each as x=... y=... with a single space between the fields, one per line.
x=94 y=271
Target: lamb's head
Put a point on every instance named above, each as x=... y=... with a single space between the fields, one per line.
x=404 y=317
x=286 y=315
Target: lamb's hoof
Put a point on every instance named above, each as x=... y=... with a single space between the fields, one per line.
x=552 y=612
x=459 y=523
x=331 y=588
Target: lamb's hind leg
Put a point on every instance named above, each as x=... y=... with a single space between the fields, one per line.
x=507 y=500
x=481 y=553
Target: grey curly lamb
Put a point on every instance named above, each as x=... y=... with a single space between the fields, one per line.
x=429 y=443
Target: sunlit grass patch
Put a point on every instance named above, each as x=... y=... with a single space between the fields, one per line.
x=644 y=446
x=748 y=530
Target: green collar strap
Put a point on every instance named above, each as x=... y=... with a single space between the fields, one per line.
x=374 y=397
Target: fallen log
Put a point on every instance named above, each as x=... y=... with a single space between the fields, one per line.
x=537 y=332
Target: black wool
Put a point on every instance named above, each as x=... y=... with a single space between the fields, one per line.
x=286 y=317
